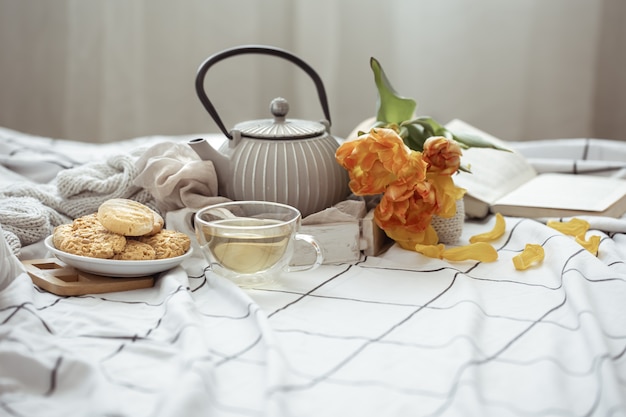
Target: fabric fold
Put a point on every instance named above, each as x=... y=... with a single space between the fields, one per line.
x=177 y=178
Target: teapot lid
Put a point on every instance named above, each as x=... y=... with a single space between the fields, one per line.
x=280 y=127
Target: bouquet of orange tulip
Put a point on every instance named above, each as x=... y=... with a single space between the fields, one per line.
x=414 y=185
x=408 y=160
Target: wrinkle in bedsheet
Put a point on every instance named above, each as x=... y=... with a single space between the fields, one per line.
x=187 y=347
x=394 y=335
x=402 y=335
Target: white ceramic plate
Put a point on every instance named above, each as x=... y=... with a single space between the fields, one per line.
x=115 y=268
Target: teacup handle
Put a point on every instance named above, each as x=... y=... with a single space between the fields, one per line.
x=319 y=256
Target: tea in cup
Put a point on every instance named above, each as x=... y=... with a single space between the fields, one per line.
x=251 y=242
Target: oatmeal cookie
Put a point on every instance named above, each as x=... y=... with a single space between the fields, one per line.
x=87 y=221
x=61 y=233
x=126 y=217
x=168 y=243
x=136 y=251
x=87 y=237
x=158 y=224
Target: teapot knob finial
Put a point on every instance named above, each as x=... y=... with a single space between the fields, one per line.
x=279 y=108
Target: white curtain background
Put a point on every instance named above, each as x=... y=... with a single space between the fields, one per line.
x=100 y=71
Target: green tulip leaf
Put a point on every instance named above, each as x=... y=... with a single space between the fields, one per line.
x=465 y=169
x=429 y=125
x=469 y=140
x=415 y=137
x=391 y=107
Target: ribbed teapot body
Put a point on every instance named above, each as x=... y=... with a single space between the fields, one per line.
x=302 y=173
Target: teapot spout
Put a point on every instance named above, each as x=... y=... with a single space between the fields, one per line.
x=206 y=152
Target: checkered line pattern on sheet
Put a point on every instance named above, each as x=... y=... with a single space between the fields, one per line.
x=187 y=347
x=406 y=335
x=393 y=335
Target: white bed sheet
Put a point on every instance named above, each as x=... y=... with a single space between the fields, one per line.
x=393 y=335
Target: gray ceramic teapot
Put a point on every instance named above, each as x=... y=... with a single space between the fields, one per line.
x=283 y=160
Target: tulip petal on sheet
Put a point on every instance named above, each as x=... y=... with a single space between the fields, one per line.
x=532 y=254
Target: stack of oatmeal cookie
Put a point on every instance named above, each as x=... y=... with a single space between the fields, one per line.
x=122 y=229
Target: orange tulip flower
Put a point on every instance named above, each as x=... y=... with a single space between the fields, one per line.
x=442 y=154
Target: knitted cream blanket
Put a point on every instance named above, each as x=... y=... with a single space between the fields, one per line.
x=172 y=172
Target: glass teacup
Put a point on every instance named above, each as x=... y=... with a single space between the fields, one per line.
x=252 y=242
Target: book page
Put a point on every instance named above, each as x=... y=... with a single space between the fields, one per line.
x=494 y=173
x=568 y=192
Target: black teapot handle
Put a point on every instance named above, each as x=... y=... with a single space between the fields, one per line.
x=254 y=49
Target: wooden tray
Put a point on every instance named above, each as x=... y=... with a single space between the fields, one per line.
x=56 y=277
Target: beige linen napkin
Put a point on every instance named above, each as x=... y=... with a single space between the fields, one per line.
x=177 y=178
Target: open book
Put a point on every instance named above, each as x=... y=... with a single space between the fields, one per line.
x=505 y=182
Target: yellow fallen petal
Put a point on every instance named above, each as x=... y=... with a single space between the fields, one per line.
x=591 y=245
x=498 y=230
x=432 y=251
x=531 y=254
x=479 y=251
x=573 y=227
x=407 y=240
